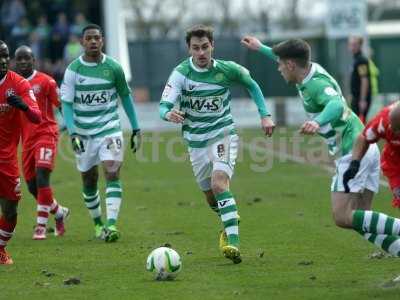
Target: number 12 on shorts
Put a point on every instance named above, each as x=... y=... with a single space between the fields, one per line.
x=45 y=154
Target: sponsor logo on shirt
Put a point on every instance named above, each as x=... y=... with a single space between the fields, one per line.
x=81 y=79
x=93 y=98
x=205 y=104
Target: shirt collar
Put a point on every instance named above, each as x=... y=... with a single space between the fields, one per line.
x=201 y=70
x=32 y=75
x=310 y=74
x=92 y=64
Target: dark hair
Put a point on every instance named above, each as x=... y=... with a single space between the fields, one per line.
x=92 y=26
x=200 y=31
x=295 y=49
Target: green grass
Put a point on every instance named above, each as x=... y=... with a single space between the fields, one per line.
x=290 y=224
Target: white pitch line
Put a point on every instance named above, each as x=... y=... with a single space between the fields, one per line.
x=297 y=159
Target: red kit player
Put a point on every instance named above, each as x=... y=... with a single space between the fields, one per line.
x=16 y=101
x=385 y=125
x=39 y=145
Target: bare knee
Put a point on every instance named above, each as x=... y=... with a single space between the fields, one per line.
x=9 y=210
x=219 y=183
x=90 y=178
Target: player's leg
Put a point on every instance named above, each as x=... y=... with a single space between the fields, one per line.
x=113 y=198
x=87 y=163
x=224 y=154
x=8 y=221
x=92 y=198
x=111 y=156
x=10 y=193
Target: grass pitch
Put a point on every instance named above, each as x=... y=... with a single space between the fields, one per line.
x=291 y=248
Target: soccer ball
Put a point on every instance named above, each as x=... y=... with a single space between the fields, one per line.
x=165 y=262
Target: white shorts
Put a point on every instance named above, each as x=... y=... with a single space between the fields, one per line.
x=366 y=178
x=109 y=147
x=219 y=156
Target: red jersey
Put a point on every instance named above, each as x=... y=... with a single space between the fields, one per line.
x=46 y=92
x=379 y=128
x=10 y=120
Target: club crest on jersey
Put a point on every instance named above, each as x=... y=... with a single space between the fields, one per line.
x=219 y=76
x=10 y=92
x=36 y=89
x=205 y=104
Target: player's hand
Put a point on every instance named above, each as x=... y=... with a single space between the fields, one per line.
x=251 y=42
x=309 y=127
x=350 y=173
x=77 y=144
x=267 y=125
x=175 y=116
x=17 y=102
x=136 y=140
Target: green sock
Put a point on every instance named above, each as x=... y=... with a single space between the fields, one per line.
x=229 y=216
x=374 y=222
x=113 y=201
x=92 y=202
x=389 y=243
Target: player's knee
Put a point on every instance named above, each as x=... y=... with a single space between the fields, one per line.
x=112 y=176
x=9 y=210
x=32 y=188
x=218 y=187
x=43 y=178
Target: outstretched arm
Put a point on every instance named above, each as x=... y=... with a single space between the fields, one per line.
x=253 y=43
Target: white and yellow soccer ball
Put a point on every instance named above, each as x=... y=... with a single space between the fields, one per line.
x=164 y=262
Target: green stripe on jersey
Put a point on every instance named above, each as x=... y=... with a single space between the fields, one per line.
x=92 y=87
x=95 y=125
x=94 y=113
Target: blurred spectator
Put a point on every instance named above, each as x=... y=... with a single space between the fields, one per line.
x=11 y=12
x=42 y=28
x=72 y=49
x=61 y=27
x=36 y=45
x=79 y=24
x=20 y=33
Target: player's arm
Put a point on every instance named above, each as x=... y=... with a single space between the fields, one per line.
x=25 y=101
x=242 y=76
x=171 y=94
x=67 y=92
x=254 y=44
x=125 y=94
x=326 y=96
x=368 y=136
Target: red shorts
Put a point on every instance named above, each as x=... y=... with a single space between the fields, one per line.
x=10 y=187
x=42 y=155
x=391 y=169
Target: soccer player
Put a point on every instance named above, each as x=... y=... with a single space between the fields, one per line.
x=16 y=99
x=383 y=229
x=92 y=85
x=39 y=145
x=200 y=85
x=332 y=118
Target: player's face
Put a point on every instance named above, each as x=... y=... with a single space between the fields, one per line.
x=4 y=60
x=92 y=42
x=201 y=49
x=286 y=68
x=24 y=62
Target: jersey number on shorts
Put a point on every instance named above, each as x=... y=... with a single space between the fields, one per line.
x=46 y=154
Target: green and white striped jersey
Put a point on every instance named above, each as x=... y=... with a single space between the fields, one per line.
x=316 y=90
x=93 y=88
x=204 y=96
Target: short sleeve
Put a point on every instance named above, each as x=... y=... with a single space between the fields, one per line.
x=67 y=90
x=173 y=88
x=53 y=92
